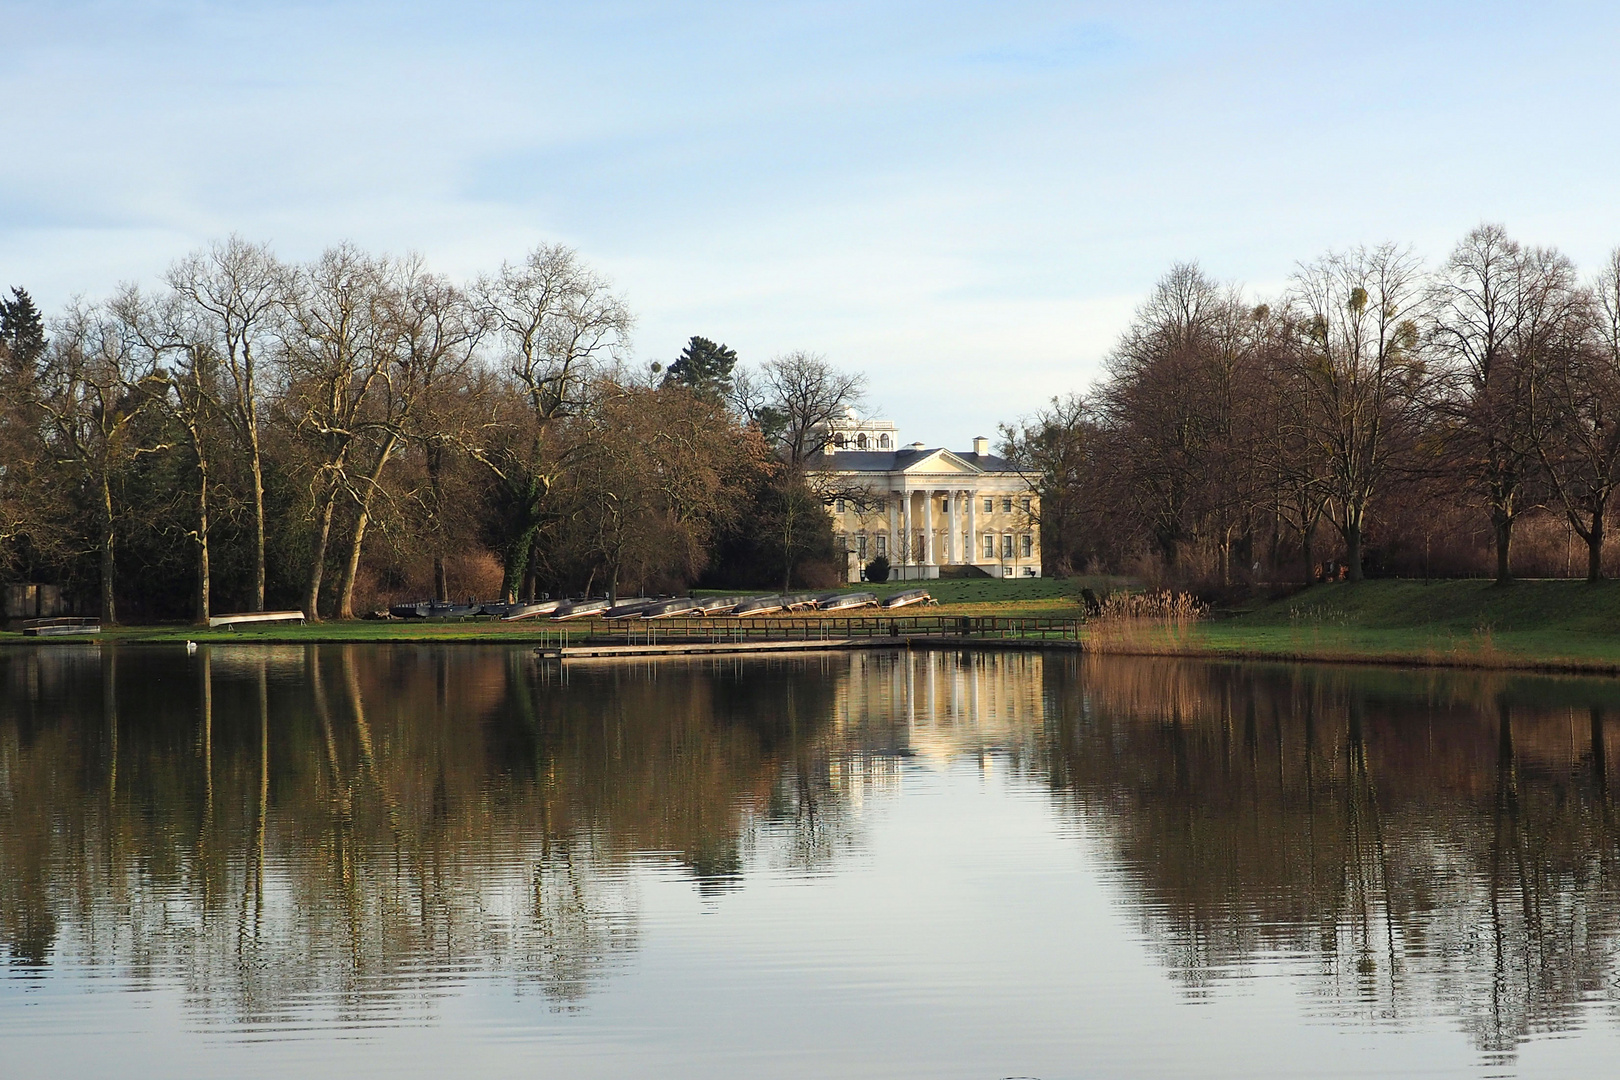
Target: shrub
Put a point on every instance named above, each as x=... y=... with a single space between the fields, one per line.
x=878 y=569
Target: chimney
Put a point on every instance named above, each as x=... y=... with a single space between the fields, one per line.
x=981 y=446
x=919 y=446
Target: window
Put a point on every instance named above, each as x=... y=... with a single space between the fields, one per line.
x=1006 y=506
x=945 y=505
x=1025 y=503
x=883 y=442
x=838 y=505
x=989 y=546
x=883 y=545
x=838 y=439
x=1026 y=546
x=860 y=546
x=989 y=506
x=860 y=440
x=1006 y=546
x=883 y=506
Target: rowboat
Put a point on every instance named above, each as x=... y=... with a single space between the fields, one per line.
x=719 y=605
x=628 y=609
x=454 y=611
x=417 y=610
x=667 y=609
x=846 y=601
x=799 y=601
x=909 y=597
x=758 y=605
x=578 y=609
x=516 y=612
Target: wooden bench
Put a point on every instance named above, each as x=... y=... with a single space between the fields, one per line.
x=59 y=627
x=246 y=617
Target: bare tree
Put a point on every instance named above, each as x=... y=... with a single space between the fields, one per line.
x=91 y=393
x=1357 y=354
x=809 y=395
x=179 y=353
x=557 y=322
x=336 y=352
x=1578 y=411
x=236 y=292
x=1488 y=318
x=429 y=334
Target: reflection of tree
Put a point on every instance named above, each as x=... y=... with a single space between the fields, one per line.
x=1431 y=843
x=1434 y=842
x=347 y=830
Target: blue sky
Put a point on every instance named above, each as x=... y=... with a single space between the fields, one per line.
x=965 y=201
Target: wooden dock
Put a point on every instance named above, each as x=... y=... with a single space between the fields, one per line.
x=609 y=650
x=713 y=648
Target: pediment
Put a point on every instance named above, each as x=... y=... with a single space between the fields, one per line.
x=941 y=461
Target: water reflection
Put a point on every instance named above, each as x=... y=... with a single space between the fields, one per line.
x=338 y=836
x=1414 y=844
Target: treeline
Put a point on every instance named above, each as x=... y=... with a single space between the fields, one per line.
x=1378 y=417
x=324 y=436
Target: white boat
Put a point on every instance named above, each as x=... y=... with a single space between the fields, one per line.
x=848 y=601
x=799 y=601
x=578 y=609
x=530 y=611
x=668 y=609
x=720 y=605
x=909 y=597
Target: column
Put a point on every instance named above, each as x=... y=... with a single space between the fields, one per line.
x=894 y=510
x=905 y=528
x=928 y=528
x=973 y=526
x=955 y=539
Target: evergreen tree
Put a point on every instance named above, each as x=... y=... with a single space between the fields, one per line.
x=22 y=330
x=704 y=367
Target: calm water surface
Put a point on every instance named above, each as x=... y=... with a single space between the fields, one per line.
x=449 y=861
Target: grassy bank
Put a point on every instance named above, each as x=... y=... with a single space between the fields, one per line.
x=1551 y=624
x=1547 y=625
x=1030 y=597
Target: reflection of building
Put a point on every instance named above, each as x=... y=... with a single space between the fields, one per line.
x=927 y=508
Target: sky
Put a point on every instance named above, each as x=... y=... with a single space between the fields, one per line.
x=964 y=201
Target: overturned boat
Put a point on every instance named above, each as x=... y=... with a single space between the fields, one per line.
x=848 y=601
x=578 y=609
x=418 y=610
x=758 y=605
x=629 y=609
x=516 y=612
x=719 y=605
x=799 y=601
x=909 y=597
x=668 y=609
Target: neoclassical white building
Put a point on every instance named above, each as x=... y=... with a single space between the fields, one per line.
x=927 y=508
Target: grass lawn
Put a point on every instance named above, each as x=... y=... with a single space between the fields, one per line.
x=1474 y=622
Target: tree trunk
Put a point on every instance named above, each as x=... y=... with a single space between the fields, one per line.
x=204 y=578
x=441 y=583
x=256 y=464
x=109 y=607
x=351 y=569
x=1307 y=545
x=1502 y=526
x=317 y=566
x=1594 y=547
x=1352 y=549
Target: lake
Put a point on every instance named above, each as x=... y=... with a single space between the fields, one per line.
x=416 y=860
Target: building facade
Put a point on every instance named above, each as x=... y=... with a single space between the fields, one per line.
x=927 y=508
